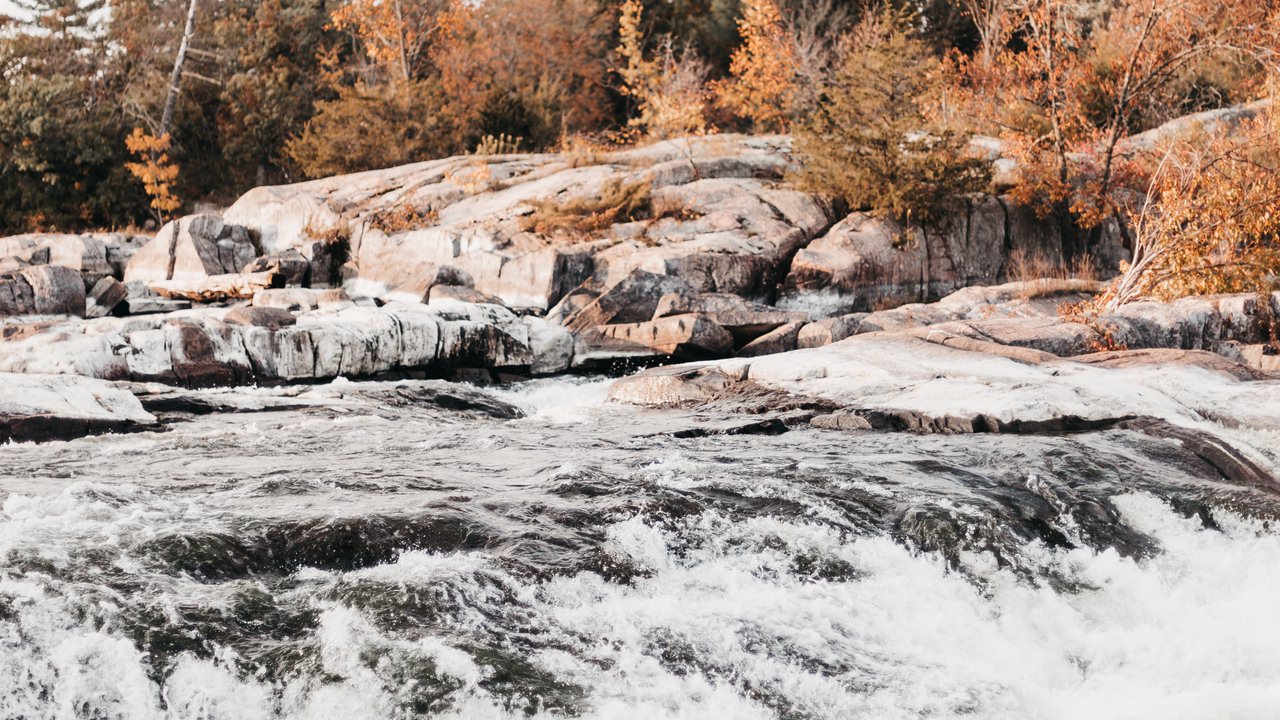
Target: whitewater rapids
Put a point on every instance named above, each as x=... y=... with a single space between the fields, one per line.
x=585 y=561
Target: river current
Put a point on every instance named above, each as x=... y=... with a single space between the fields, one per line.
x=398 y=560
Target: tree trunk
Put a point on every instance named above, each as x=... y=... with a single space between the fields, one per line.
x=175 y=80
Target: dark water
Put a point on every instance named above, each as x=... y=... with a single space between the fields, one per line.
x=406 y=560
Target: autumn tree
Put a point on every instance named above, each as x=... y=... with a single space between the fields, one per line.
x=154 y=168
x=1074 y=86
x=1208 y=222
x=764 y=69
x=387 y=105
x=873 y=139
x=669 y=87
x=529 y=69
x=273 y=83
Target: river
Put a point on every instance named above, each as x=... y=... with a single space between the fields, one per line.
x=396 y=560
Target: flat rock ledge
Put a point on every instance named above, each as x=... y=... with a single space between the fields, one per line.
x=902 y=381
x=244 y=346
x=63 y=407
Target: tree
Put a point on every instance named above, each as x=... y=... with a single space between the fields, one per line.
x=670 y=91
x=530 y=69
x=396 y=35
x=872 y=140
x=1073 y=86
x=1208 y=223
x=274 y=83
x=373 y=126
x=764 y=68
x=62 y=147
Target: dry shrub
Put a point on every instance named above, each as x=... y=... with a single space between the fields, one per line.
x=338 y=232
x=763 y=70
x=500 y=144
x=402 y=218
x=1028 y=267
x=617 y=202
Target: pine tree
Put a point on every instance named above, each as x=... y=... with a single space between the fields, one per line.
x=871 y=140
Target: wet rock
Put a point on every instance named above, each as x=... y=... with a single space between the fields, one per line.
x=675 y=335
x=289 y=264
x=106 y=295
x=782 y=339
x=62 y=407
x=191 y=249
x=552 y=346
x=845 y=421
x=746 y=320
x=633 y=299
x=439 y=394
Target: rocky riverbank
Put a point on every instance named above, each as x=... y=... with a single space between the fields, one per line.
x=503 y=267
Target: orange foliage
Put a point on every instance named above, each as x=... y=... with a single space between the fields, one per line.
x=670 y=90
x=544 y=57
x=155 y=169
x=1066 y=96
x=395 y=34
x=763 y=68
x=1210 y=222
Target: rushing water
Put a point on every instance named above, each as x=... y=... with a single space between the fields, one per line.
x=583 y=561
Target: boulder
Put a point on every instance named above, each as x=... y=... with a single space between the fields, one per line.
x=293 y=269
x=825 y=332
x=106 y=295
x=191 y=249
x=632 y=299
x=675 y=335
x=263 y=317
x=746 y=320
x=459 y=293
x=62 y=407
x=551 y=345
x=781 y=339
x=863 y=263
x=42 y=290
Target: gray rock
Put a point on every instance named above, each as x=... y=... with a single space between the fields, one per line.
x=191 y=249
x=289 y=264
x=45 y=407
x=746 y=320
x=781 y=339
x=302 y=299
x=460 y=293
x=105 y=296
x=42 y=290
x=264 y=317
x=633 y=299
